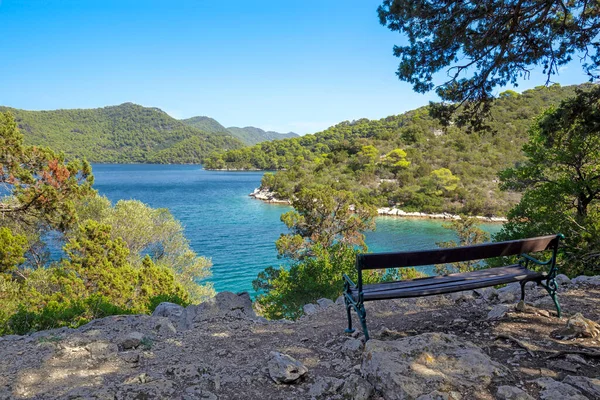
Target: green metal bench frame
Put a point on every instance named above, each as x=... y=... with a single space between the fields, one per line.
x=355 y=295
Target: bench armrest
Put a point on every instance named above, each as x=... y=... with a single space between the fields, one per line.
x=348 y=280
x=535 y=260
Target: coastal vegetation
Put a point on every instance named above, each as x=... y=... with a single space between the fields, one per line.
x=410 y=161
x=127 y=133
x=116 y=259
x=485 y=44
x=560 y=182
x=326 y=232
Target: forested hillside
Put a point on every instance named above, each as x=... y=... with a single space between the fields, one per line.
x=206 y=124
x=408 y=160
x=127 y=133
x=249 y=135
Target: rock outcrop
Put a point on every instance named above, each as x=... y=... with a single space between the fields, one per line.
x=409 y=367
x=452 y=347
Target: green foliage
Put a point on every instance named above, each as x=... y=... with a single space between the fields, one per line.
x=121 y=134
x=469 y=233
x=560 y=182
x=325 y=236
x=285 y=291
x=487 y=43
x=119 y=260
x=55 y=315
x=390 y=161
x=153 y=233
x=322 y=217
x=42 y=187
x=12 y=249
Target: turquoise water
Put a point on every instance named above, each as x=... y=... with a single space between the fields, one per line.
x=237 y=232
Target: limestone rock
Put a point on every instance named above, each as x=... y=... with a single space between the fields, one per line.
x=352 y=346
x=437 y=395
x=131 y=340
x=507 y=296
x=488 y=293
x=324 y=303
x=226 y=305
x=553 y=390
x=417 y=365
x=589 y=386
x=498 y=312
x=579 y=326
x=144 y=386
x=324 y=386
x=164 y=327
x=562 y=279
x=101 y=350
x=512 y=393
x=461 y=296
x=285 y=369
x=356 y=388
x=310 y=309
x=588 y=280
x=169 y=310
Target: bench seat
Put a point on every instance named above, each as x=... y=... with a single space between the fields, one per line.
x=448 y=283
x=356 y=294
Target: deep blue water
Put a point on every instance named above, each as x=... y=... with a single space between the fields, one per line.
x=237 y=232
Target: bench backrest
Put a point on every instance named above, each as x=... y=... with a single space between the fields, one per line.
x=455 y=254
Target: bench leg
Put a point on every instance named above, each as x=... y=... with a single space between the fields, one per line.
x=522 y=283
x=362 y=315
x=552 y=287
x=348 y=307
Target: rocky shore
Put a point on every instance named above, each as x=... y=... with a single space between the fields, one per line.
x=269 y=197
x=396 y=212
x=468 y=345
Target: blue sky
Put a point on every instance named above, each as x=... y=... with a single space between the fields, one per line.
x=280 y=65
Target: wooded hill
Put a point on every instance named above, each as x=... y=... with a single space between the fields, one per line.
x=127 y=133
x=407 y=160
x=249 y=135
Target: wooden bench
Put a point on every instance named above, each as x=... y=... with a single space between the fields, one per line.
x=355 y=295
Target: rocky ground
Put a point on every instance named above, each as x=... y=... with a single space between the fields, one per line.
x=469 y=345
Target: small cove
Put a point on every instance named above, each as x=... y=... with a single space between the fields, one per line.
x=237 y=232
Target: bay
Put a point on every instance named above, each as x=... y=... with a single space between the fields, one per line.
x=236 y=231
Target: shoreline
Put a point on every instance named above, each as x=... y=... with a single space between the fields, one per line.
x=269 y=197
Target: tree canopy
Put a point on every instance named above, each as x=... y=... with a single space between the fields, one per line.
x=489 y=43
x=560 y=181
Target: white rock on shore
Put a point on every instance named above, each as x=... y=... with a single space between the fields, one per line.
x=392 y=211
x=267 y=196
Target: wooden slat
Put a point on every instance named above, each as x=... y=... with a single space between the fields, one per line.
x=440 y=279
x=449 y=287
x=456 y=254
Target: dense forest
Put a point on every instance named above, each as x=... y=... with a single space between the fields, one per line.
x=249 y=134
x=127 y=133
x=409 y=160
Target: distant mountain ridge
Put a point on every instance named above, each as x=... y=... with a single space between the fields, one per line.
x=250 y=135
x=127 y=133
x=205 y=124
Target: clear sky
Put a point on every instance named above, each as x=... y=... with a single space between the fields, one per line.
x=279 y=65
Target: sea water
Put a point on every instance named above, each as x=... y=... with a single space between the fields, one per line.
x=234 y=230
